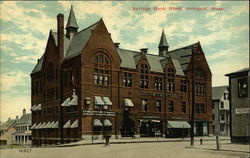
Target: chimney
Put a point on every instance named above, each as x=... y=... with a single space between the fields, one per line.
x=144 y=50
x=16 y=117
x=117 y=45
x=9 y=119
x=24 y=111
x=60 y=35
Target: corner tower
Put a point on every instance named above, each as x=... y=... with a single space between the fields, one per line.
x=72 y=25
x=163 y=45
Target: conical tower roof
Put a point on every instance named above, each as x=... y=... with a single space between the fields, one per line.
x=163 y=41
x=72 y=19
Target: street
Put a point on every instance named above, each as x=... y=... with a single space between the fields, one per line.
x=134 y=150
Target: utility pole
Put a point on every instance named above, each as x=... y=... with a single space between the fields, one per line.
x=193 y=100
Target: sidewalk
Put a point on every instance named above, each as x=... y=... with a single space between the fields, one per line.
x=124 y=140
x=226 y=145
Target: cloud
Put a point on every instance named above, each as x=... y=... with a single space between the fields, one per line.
x=10 y=11
x=12 y=106
x=11 y=79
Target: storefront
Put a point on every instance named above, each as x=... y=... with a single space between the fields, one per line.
x=200 y=128
x=150 y=126
x=177 y=129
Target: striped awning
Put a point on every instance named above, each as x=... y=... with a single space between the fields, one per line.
x=74 y=101
x=46 y=125
x=107 y=123
x=97 y=123
x=74 y=124
x=38 y=107
x=98 y=100
x=38 y=126
x=66 y=102
x=67 y=124
x=33 y=126
x=33 y=108
x=51 y=124
x=42 y=125
x=106 y=101
x=128 y=102
x=178 y=124
x=55 y=125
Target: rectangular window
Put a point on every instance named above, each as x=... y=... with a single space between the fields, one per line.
x=127 y=79
x=158 y=83
x=183 y=85
x=222 y=128
x=199 y=88
x=242 y=87
x=222 y=117
x=171 y=106
x=170 y=85
x=144 y=81
x=202 y=108
x=197 y=108
x=158 y=105
x=213 y=117
x=222 y=105
x=144 y=105
x=183 y=107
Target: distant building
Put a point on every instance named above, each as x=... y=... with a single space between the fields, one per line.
x=6 y=131
x=239 y=105
x=221 y=115
x=23 y=132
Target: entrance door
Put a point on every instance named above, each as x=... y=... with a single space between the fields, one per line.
x=128 y=126
x=199 y=128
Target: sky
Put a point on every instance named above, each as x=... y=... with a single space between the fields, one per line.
x=24 y=29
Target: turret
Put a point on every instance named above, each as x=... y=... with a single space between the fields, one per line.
x=71 y=26
x=163 y=45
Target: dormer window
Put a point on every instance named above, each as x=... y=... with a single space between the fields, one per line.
x=170 y=84
x=101 y=70
x=144 y=76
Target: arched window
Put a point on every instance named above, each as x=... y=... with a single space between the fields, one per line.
x=170 y=85
x=144 y=76
x=50 y=72
x=102 y=69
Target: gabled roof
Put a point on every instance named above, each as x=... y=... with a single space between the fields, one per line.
x=157 y=63
x=24 y=119
x=218 y=92
x=6 y=125
x=38 y=66
x=79 y=41
x=183 y=55
x=72 y=19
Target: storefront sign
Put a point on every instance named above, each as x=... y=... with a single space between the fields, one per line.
x=151 y=117
x=158 y=94
x=98 y=113
x=242 y=111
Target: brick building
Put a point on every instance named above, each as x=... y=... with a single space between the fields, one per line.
x=85 y=86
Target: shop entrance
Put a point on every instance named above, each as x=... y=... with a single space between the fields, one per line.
x=128 y=126
x=150 y=128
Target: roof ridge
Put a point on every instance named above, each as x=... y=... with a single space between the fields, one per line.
x=183 y=47
x=88 y=27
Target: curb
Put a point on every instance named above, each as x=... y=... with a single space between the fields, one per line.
x=130 y=142
x=190 y=147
